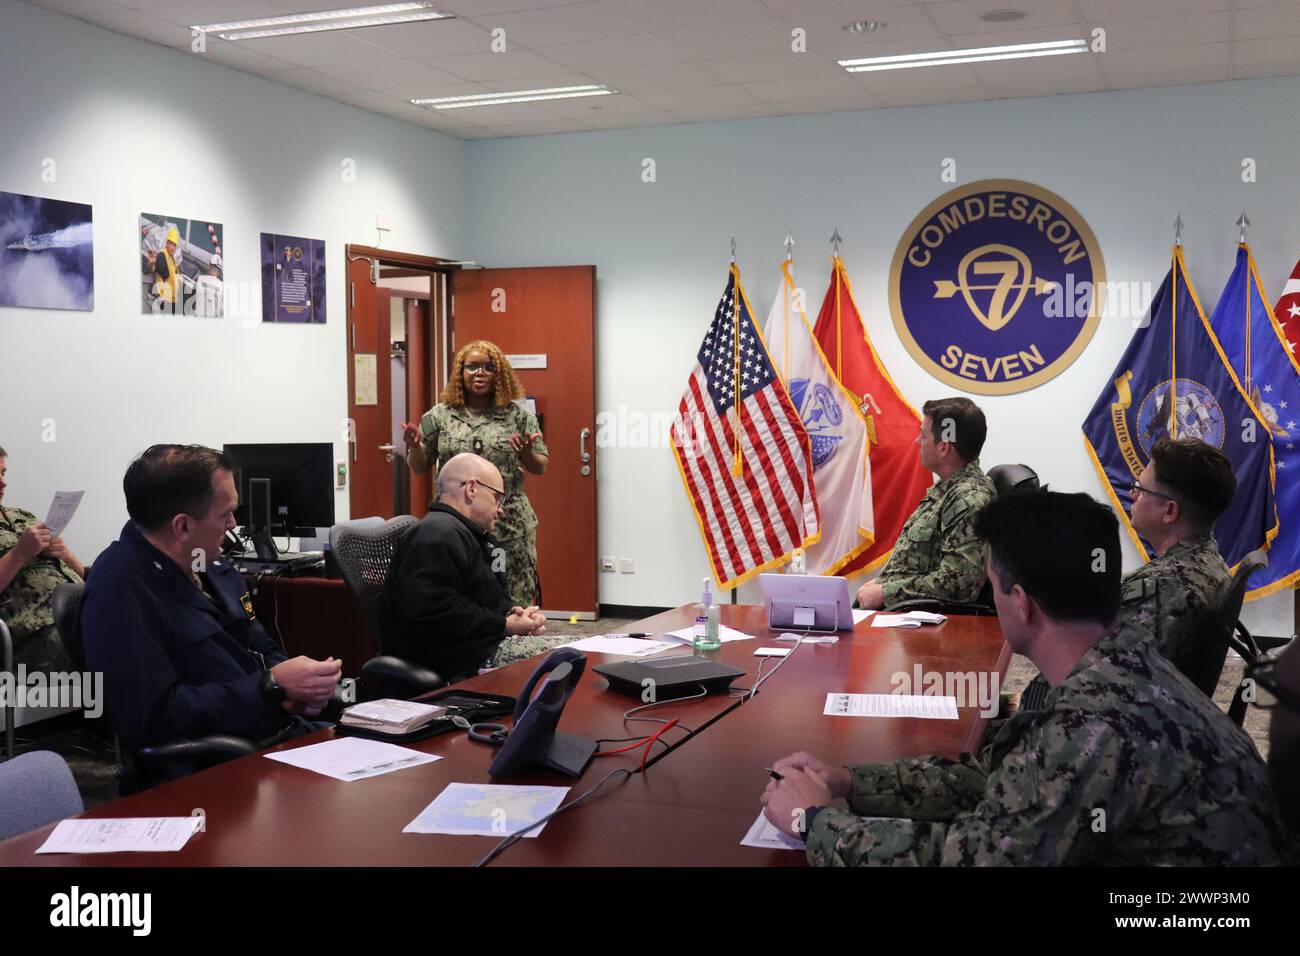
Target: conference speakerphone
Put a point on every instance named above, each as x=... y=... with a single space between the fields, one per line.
x=679 y=676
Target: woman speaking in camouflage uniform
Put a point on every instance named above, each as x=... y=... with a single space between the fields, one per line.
x=477 y=413
x=32 y=564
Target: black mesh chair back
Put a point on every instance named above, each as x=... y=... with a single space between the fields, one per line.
x=65 y=605
x=1201 y=656
x=363 y=556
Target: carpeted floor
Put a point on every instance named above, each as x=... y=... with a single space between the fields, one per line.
x=94 y=767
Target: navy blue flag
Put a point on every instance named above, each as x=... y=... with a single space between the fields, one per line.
x=1253 y=340
x=1175 y=380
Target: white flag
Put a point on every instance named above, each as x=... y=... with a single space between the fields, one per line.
x=836 y=426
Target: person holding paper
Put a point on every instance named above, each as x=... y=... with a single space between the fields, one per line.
x=1127 y=764
x=936 y=554
x=171 y=624
x=33 y=562
x=445 y=603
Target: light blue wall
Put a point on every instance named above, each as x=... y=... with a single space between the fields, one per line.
x=135 y=128
x=1129 y=162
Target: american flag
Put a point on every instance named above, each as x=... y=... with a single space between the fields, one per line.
x=754 y=517
x=1287 y=312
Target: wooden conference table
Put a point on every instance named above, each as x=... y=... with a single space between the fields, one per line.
x=690 y=808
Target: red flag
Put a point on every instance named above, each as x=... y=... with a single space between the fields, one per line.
x=898 y=481
x=1287 y=312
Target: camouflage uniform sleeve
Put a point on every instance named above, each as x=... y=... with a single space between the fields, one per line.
x=960 y=574
x=531 y=425
x=429 y=436
x=933 y=788
x=1050 y=801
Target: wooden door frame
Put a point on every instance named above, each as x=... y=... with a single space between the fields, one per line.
x=408 y=264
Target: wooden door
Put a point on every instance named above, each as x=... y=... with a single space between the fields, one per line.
x=369 y=394
x=419 y=390
x=549 y=312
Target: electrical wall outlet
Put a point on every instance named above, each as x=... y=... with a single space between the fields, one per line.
x=607 y=563
x=627 y=565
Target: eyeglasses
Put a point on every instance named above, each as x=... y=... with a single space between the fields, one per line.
x=1267 y=692
x=474 y=367
x=1136 y=488
x=497 y=493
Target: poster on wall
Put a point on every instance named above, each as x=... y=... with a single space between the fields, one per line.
x=46 y=253
x=182 y=266
x=293 y=279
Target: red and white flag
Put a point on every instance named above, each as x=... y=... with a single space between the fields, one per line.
x=744 y=455
x=1287 y=311
x=835 y=425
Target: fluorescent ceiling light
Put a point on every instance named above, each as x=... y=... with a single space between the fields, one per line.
x=513 y=96
x=319 y=21
x=984 y=54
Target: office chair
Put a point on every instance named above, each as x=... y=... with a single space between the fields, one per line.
x=1006 y=479
x=147 y=765
x=11 y=707
x=363 y=556
x=35 y=789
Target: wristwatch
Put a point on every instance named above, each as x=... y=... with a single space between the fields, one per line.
x=272 y=693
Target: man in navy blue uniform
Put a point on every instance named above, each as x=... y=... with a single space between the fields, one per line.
x=171 y=625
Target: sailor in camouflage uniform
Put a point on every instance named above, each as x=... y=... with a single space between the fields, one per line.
x=478 y=414
x=1177 y=499
x=1127 y=764
x=32 y=565
x=936 y=554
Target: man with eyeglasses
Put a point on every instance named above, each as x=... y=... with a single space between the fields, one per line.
x=1177 y=498
x=445 y=604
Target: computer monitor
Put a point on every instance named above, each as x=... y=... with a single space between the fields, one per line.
x=284 y=489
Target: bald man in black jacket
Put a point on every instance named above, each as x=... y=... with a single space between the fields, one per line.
x=445 y=604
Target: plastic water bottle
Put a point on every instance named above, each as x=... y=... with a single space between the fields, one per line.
x=708 y=620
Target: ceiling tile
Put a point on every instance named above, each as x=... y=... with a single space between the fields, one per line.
x=663 y=16
x=335 y=48
x=613 y=53
x=370 y=100
x=672 y=76
x=963 y=16
x=442 y=89
x=144 y=27
x=1159 y=59
x=235 y=56
x=215 y=11
x=590 y=108
x=901 y=23
x=505 y=113
x=806 y=88
x=1146 y=32
x=711 y=43
x=1093 y=10
x=835 y=104
x=1254 y=70
x=1262 y=22
x=546 y=128
x=921 y=79
x=700 y=97
x=433 y=38
x=786 y=65
x=81 y=8
x=660 y=118
x=1070 y=66
x=478 y=8
x=393 y=74
x=1212 y=74
x=708 y=115
x=304 y=79
x=933 y=97
x=495 y=66
x=553 y=26
x=549 y=82
x=849 y=9
x=1273 y=50
x=1048 y=87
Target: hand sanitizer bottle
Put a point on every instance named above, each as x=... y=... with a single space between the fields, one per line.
x=707 y=621
x=798 y=562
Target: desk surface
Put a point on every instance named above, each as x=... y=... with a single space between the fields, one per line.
x=690 y=808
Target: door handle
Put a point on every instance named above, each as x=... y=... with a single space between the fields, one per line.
x=388 y=452
x=583 y=454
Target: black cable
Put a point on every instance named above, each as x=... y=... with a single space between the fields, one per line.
x=518 y=835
